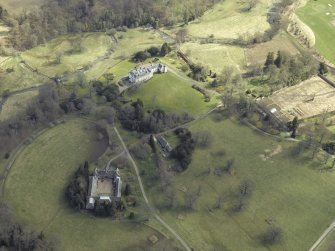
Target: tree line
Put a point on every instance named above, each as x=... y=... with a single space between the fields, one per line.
x=133 y=117
x=56 y=17
x=42 y=111
x=14 y=236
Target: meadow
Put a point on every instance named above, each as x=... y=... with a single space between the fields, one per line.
x=320 y=17
x=215 y=56
x=19 y=76
x=172 y=94
x=287 y=191
x=226 y=20
x=35 y=191
x=67 y=53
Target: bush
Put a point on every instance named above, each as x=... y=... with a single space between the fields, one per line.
x=272 y=236
x=203 y=139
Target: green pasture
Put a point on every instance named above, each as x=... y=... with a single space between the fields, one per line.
x=19 y=78
x=76 y=52
x=320 y=17
x=35 y=191
x=290 y=192
x=172 y=94
x=226 y=20
x=215 y=56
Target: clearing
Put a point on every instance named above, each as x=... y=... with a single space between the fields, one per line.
x=319 y=15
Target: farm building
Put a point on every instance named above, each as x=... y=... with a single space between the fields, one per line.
x=308 y=99
x=164 y=145
x=104 y=186
x=145 y=72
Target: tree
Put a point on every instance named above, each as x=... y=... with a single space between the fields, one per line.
x=203 y=139
x=226 y=75
x=127 y=190
x=269 y=61
x=293 y=126
x=131 y=216
x=272 y=236
x=154 y=51
x=165 y=49
x=279 y=59
x=181 y=35
x=323 y=68
x=58 y=58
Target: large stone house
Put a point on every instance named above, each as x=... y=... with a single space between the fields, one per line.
x=145 y=72
x=104 y=186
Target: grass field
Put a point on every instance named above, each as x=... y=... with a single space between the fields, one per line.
x=256 y=55
x=226 y=20
x=286 y=190
x=16 y=103
x=43 y=57
x=20 y=78
x=35 y=191
x=215 y=56
x=172 y=94
x=320 y=17
x=17 y=6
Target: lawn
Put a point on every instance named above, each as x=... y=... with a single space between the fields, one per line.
x=287 y=191
x=215 y=56
x=16 y=103
x=320 y=17
x=43 y=57
x=172 y=94
x=35 y=191
x=226 y=20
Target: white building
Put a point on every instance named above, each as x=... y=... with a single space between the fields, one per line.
x=145 y=72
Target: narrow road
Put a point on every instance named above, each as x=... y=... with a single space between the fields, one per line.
x=192 y=121
x=323 y=236
x=189 y=80
x=152 y=210
x=114 y=158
